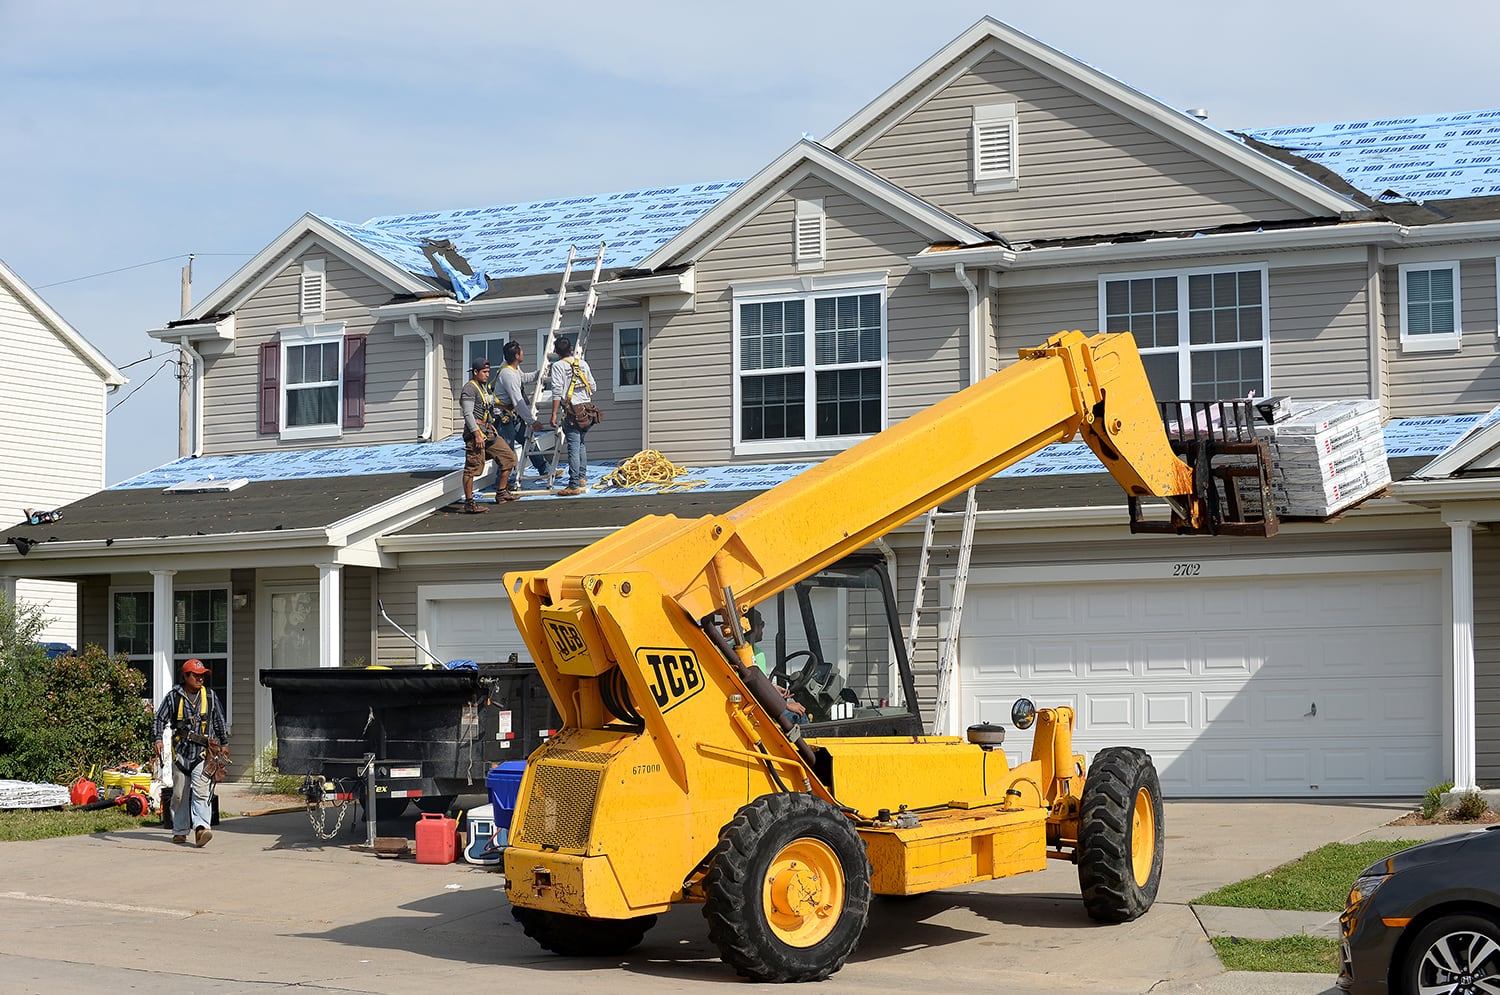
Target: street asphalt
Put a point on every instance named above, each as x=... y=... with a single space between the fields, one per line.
x=268 y=905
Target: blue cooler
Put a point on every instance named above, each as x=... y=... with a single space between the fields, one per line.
x=504 y=784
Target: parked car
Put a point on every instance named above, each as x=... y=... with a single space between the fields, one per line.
x=1426 y=919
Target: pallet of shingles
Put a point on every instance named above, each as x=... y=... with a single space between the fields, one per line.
x=1325 y=457
x=30 y=794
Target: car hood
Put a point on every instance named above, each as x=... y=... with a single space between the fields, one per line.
x=1485 y=841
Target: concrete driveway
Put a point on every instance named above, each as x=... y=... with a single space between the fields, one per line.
x=268 y=905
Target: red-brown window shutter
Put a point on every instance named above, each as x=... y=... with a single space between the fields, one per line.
x=354 y=381
x=270 y=388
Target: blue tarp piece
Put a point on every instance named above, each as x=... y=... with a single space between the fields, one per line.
x=511 y=240
x=1418 y=158
x=349 y=461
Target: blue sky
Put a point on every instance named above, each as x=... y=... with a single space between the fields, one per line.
x=137 y=133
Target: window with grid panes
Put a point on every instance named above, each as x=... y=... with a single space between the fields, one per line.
x=311 y=382
x=200 y=628
x=1430 y=306
x=796 y=394
x=1201 y=334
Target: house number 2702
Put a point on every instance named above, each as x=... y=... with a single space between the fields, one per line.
x=1186 y=569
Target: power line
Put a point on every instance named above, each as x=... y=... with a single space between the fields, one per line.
x=122 y=269
x=165 y=363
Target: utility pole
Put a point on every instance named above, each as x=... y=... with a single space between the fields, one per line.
x=187 y=286
x=185 y=397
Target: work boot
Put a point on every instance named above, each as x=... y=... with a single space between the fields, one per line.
x=202 y=835
x=180 y=839
x=473 y=508
x=570 y=492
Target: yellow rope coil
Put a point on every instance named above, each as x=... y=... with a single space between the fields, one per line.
x=649 y=469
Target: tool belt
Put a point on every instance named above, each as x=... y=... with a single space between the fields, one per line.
x=216 y=761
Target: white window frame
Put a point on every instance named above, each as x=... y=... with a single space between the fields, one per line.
x=497 y=359
x=628 y=392
x=809 y=235
x=994 y=119
x=1185 y=350
x=312 y=291
x=307 y=335
x=1441 y=342
x=808 y=290
x=213 y=660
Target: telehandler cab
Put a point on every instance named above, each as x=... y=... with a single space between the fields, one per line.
x=682 y=774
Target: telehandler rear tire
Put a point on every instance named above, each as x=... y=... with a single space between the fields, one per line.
x=1121 y=835
x=788 y=889
x=580 y=936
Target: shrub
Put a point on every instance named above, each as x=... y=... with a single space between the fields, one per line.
x=1471 y=805
x=60 y=718
x=268 y=777
x=1432 y=802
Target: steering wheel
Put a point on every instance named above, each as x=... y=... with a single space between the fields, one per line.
x=805 y=675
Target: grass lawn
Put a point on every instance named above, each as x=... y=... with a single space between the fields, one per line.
x=1295 y=954
x=44 y=824
x=1315 y=882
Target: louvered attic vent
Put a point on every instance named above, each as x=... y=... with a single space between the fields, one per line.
x=810 y=234
x=994 y=145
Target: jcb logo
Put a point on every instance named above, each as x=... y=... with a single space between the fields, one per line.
x=672 y=675
x=567 y=642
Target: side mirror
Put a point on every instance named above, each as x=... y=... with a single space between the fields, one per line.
x=1022 y=713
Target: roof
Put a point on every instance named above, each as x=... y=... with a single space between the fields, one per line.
x=107 y=371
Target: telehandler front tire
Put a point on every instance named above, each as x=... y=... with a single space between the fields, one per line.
x=788 y=889
x=580 y=936
x=1121 y=835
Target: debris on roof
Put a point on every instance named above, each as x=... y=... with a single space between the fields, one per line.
x=1416 y=158
x=511 y=240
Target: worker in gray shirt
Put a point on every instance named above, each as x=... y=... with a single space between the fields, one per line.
x=517 y=419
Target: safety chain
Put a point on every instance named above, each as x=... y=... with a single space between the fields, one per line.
x=318 y=816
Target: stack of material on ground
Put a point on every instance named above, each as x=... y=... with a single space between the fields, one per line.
x=28 y=794
x=1325 y=455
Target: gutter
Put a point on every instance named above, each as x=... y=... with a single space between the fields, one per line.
x=976 y=368
x=429 y=376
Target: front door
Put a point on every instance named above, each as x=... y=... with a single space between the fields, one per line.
x=288 y=639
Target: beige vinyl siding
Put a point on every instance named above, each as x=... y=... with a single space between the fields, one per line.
x=243 y=677
x=1487 y=656
x=1319 y=333
x=1083 y=169
x=1026 y=317
x=393 y=365
x=359 y=612
x=51 y=439
x=93 y=615
x=690 y=365
x=1445 y=382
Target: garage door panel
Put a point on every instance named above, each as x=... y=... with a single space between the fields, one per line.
x=1295 y=684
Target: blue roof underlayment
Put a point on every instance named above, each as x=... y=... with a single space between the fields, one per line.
x=1403 y=437
x=511 y=240
x=1419 y=158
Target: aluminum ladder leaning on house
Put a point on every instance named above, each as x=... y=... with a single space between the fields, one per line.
x=937 y=624
x=530 y=442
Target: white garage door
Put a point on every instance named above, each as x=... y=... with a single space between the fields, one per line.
x=470 y=628
x=1305 y=685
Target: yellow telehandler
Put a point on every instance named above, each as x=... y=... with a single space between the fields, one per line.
x=684 y=773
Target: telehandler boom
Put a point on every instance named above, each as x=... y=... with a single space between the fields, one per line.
x=681 y=773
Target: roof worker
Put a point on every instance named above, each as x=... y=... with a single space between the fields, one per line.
x=572 y=391
x=197 y=721
x=481 y=440
x=515 y=419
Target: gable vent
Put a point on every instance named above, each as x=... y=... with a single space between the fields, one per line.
x=994 y=138
x=314 y=290
x=810 y=233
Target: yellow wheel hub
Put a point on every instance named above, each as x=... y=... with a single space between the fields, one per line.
x=1142 y=837
x=803 y=893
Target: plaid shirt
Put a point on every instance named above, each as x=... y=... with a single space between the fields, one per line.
x=211 y=724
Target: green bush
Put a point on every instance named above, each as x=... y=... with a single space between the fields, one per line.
x=267 y=777
x=1471 y=805
x=61 y=718
x=1432 y=802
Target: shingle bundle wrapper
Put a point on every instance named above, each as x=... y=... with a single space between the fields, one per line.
x=28 y=794
x=1325 y=456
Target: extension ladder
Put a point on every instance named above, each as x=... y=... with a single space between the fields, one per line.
x=941 y=620
x=586 y=321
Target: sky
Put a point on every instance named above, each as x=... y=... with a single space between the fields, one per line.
x=135 y=133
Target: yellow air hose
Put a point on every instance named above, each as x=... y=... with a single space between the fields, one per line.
x=649 y=471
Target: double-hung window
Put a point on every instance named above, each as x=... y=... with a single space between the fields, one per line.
x=200 y=628
x=809 y=369
x=1202 y=334
x=312 y=382
x=630 y=361
x=1431 y=315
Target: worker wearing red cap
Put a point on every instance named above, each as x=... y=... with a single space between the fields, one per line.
x=197 y=722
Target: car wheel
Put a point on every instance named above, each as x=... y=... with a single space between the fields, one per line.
x=1454 y=954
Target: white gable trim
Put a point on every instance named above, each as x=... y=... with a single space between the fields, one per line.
x=308 y=231
x=796 y=164
x=989 y=36
x=107 y=371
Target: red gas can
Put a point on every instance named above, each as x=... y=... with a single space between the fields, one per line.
x=437 y=838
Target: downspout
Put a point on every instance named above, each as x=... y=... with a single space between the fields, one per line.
x=195 y=398
x=429 y=377
x=976 y=356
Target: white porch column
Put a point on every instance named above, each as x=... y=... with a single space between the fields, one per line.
x=330 y=615
x=161 y=635
x=1464 y=745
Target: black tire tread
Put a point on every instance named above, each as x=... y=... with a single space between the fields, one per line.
x=1105 y=874
x=736 y=926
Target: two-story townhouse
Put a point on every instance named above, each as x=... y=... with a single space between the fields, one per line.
x=1000 y=192
x=53 y=390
